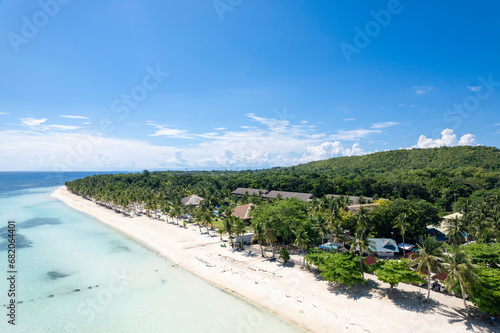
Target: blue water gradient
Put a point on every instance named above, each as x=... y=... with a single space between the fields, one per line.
x=75 y=274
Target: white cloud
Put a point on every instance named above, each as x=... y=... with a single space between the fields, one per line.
x=467 y=140
x=3 y=113
x=330 y=149
x=269 y=122
x=384 y=124
x=420 y=90
x=220 y=128
x=40 y=125
x=353 y=134
x=474 y=88
x=349 y=119
x=62 y=127
x=32 y=122
x=169 y=132
x=448 y=138
x=73 y=117
x=271 y=142
x=401 y=104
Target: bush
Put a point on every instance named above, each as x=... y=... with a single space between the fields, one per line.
x=284 y=255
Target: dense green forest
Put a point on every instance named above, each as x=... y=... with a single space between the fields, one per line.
x=422 y=184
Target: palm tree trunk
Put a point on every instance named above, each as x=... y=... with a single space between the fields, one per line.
x=404 y=252
x=361 y=266
x=465 y=303
x=303 y=257
x=272 y=248
x=261 y=249
x=428 y=283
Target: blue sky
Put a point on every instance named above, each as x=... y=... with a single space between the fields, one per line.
x=106 y=85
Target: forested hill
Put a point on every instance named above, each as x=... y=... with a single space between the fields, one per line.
x=448 y=178
x=444 y=158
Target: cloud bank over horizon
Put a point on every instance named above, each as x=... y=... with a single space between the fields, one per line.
x=37 y=144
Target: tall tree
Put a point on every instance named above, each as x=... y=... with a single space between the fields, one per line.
x=362 y=244
x=429 y=257
x=455 y=231
x=460 y=271
x=301 y=242
x=402 y=225
x=259 y=235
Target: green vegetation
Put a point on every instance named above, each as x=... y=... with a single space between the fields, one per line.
x=395 y=272
x=486 y=299
x=284 y=255
x=342 y=268
x=428 y=258
x=460 y=272
x=422 y=184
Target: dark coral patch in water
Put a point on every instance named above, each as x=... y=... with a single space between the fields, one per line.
x=38 y=221
x=53 y=275
x=21 y=241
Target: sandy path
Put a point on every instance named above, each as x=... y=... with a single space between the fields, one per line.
x=289 y=292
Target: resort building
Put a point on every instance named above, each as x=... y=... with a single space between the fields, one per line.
x=241 y=191
x=243 y=212
x=445 y=222
x=383 y=246
x=286 y=195
x=192 y=200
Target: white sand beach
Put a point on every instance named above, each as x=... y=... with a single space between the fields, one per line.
x=290 y=292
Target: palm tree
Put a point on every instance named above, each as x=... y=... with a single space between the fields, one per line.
x=429 y=256
x=333 y=214
x=240 y=228
x=455 y=231
x=228 y=225
x=270 y=234
x=338 y=233
x=460 y=271
x=321 y=226
x=301 y=242
x=259 y=235
x=402 y=225
x=362 y=244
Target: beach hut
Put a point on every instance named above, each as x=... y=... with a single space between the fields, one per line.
x=192 y=200
x=243 y=212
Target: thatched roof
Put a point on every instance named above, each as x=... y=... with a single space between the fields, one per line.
x=240 y=191
x=243 y=212
x=192 y=200
x=285 y=195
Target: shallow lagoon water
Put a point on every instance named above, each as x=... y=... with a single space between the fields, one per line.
x=78 y=275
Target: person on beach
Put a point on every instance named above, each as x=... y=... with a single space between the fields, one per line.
x=492 y=320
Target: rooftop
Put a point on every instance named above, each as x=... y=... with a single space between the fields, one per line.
x=285 y=195
x=192 y=200
x=243 y=212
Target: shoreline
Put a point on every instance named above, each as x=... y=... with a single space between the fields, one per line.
x=291 y=293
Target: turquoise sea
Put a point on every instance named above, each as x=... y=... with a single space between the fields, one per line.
x=74 y=274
